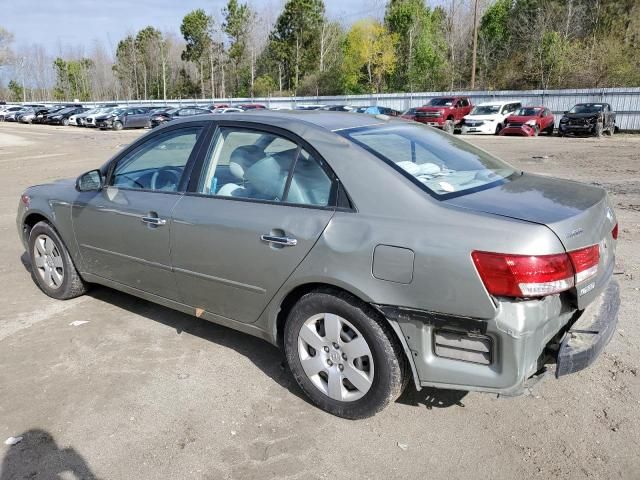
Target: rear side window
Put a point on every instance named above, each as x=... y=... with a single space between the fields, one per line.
x=250 y=164
x=439 y=163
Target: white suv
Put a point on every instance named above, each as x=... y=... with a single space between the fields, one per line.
x=488 y=118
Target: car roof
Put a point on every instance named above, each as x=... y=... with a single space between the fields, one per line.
x=295 y=120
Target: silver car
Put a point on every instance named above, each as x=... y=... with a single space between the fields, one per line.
x=376 y=252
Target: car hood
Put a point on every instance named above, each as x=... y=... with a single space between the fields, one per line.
x=576 y=212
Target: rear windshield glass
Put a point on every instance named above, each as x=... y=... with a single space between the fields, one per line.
x=440 y=163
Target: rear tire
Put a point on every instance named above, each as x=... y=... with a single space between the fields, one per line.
x=52 y=269
x=351 y=343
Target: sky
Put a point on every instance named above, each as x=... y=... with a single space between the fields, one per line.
x=59 y=23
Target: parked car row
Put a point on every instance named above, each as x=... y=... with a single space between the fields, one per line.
x=111 y=116
x=506 y=117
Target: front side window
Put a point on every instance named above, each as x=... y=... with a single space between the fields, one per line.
x=244 y=163
x=440 y=163
x=157 y=164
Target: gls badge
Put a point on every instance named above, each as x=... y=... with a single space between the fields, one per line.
x=587 y=289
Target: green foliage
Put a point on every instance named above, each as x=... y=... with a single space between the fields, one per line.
x=294 y=41
x=421 y=49
x=195 y=30
x=264 y=85
x=369 y=57
x=16 y=91
x=72 y=79
x=237 y=18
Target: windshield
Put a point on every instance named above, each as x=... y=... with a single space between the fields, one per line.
x=587 y=108
x=528 y=112
x=65 y=110
x=440 y=102
x=486 y=110
x=438 y=162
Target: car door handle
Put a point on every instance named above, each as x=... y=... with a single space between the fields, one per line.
x=285 y=241
x=154 y=221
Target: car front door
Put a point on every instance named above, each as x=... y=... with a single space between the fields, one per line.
x=123 y=230
x=259 y=205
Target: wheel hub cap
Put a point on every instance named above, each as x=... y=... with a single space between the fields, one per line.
x=48 y=261
x=335 y=357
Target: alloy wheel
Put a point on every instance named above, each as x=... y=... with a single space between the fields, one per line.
x=335 y=357
x=48 y=261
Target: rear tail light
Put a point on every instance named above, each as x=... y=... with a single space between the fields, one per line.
x=506 y=275
x=585 y=262
x=614 y=232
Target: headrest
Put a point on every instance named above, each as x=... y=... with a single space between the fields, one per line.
x=242 y=158
x=267 y=177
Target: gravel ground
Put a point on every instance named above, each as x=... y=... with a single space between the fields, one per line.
x=141 y=391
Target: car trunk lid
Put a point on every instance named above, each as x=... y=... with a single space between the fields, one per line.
x=579 y=215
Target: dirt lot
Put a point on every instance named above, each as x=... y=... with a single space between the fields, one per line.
x=142 y=391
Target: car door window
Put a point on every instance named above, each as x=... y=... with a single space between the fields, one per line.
x=242 y=165
x=158 y=163
x=310 y=184
x=257 y=165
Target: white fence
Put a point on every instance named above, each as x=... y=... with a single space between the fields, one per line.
x=624 y=101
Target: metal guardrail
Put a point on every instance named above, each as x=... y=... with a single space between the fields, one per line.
x=624 y=101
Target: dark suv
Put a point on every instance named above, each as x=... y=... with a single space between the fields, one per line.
x=588 y=118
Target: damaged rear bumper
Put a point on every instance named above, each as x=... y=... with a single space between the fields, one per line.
x=504 y=354
x=588 y=336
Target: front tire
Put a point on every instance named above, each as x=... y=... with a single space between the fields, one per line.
x=118 y=126
x=598 y=129
x=343 y=355
x=449 y=127
x=51 y=266
x=65 y=122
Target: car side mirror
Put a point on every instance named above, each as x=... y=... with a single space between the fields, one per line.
x=565 y=112
x=90 y=181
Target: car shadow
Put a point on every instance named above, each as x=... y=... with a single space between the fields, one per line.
x=432 y=397
x=39 y=456
x=268 y=358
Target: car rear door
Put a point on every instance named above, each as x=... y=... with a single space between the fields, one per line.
x=256 y=208
x=123 y=231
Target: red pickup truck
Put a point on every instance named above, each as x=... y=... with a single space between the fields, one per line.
x=444 y=112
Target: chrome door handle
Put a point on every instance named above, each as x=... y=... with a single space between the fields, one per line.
x=285 y=241
x=154 y=221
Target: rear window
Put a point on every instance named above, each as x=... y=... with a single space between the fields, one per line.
x=439 y=163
